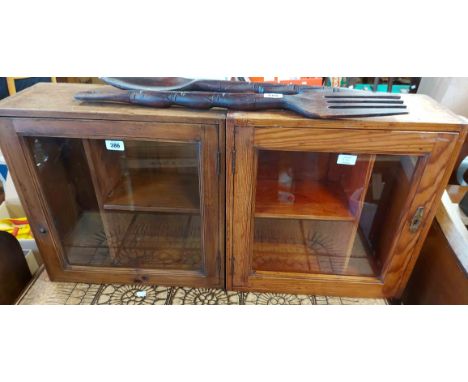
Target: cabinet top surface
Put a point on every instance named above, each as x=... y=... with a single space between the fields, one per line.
x=424 y=114
x=47 y=100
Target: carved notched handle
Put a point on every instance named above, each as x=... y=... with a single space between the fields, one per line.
x=194 y=100
x=243 y=87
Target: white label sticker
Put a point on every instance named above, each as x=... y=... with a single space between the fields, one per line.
x=272 y=95
x=349 y=160
x=115 y=145
x=141 y=293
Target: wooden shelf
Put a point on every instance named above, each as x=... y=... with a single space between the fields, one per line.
x=299 y=258
x=286 y=247
x=151 y=241
x=313 y=200
x=87 y=232
x=148 y=191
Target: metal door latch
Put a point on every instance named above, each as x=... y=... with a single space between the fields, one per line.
x=417 y=219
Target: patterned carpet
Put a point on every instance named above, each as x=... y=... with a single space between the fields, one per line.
x=43 y=291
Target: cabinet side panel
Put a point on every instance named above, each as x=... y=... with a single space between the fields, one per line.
x=438 y=277
x=431 y=187
x=29 y=194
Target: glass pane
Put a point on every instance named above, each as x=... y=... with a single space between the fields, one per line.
x=123 y=203
x=332 y=213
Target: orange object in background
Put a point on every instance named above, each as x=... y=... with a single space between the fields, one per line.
x=19 y=227
x=256 y=79
x=310 y=81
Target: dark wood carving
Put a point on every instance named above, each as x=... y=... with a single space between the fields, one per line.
x=180 y=83
x=310 y=105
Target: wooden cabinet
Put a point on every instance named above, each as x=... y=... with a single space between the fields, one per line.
x=440 y=276
x=119 y=194
x=334 y=207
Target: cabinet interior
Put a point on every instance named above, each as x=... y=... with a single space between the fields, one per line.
x=137 y=208
x=140 y=208
x=315 y=215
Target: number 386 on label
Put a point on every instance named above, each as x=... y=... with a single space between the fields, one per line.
x=115 y=145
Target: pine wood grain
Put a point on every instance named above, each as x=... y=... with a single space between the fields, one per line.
x=309 y=247
x=346 y=140
x=159 y=128
x=149 y=191
x=425 y=114
x=57 y=101
x=101 y=129
x=313 y=200
x=287 y=273
x=429 y=132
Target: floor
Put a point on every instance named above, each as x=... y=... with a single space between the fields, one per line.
x=44 y=292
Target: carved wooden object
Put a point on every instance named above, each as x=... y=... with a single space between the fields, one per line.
x=180 y=83
x=311 y=105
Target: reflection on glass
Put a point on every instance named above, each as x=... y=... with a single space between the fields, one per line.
x=136 y=207
x=327 y=212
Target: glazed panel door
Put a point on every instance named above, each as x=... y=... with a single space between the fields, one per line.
x=330 y=210
x=131 y=205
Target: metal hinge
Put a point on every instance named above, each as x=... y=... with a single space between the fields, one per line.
x=233 y=161
x=232 y=266
x=218 y=163
x=233 y=152
x=218 y=262
x=417 y=219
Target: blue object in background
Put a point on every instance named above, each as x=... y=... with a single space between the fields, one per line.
x=20 y=84
x=384 y=88
x=3 y=172
x=3 y=88
x=24 y=83
x=3 y=169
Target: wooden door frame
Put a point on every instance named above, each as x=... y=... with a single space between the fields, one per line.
x=243 y=142
x=210 y=137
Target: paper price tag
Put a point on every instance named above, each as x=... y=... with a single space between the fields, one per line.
x=349 y=160
x=115 y=145
x=272 y=95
